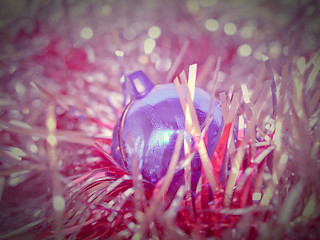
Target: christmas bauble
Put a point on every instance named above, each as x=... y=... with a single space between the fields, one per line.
x=149 y=126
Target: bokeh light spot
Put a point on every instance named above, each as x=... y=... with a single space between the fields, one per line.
x=106 y=10
x=230 y=28
x=52 y=140
x=129 y=33
x=154 y=32
x=86 y=33
x=163 y=64
x=212 y=25
x=245 y=50
x=20 y=89
x=257 y=55
x=33 y=148
x=58 y=203
x=274 y=50
x=143 y=59
x=256 y=196
x=247 y=32
x=119 y=53
x=51 y=124
x=193 y=6
x=149 y=45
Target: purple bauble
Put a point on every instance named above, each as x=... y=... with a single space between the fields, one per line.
x=151 y=123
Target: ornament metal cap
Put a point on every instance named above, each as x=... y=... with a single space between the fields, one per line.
x=138 y=84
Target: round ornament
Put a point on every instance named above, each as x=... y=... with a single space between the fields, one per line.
x=149 y=125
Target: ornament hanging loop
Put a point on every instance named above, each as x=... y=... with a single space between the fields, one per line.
x=138 y=84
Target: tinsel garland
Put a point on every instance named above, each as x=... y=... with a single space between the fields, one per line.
x=61 y=64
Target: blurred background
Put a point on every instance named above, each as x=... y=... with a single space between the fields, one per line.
x=113 y=36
